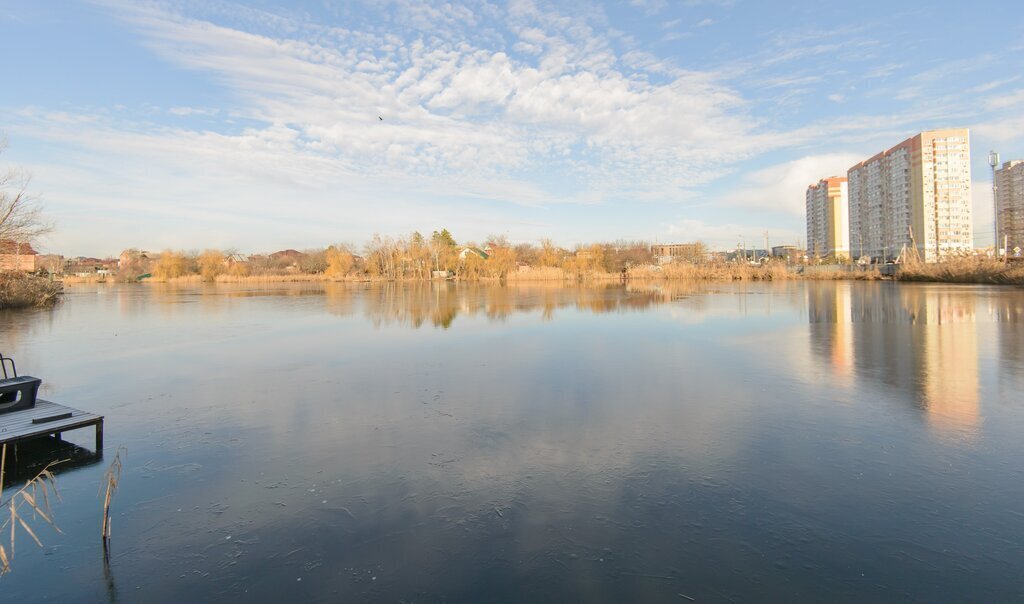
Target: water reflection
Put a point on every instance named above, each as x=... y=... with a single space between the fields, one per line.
x=830 y=312
x=439 y=304
x=454 y=442
x=919 y=339
x=28 y=458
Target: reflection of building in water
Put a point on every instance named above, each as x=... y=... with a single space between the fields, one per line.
x=829 y=309
x=925 y=341
x=950 y=373
x=1009 y=316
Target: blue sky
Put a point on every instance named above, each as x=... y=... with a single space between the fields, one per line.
x=256 y=125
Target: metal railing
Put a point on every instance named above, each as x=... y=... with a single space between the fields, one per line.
x=3 y=364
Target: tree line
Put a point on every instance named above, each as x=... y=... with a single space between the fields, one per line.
x=412 y=257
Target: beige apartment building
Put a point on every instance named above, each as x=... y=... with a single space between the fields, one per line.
x=671 y=252
x=828 y=231
x=916 y=193
x=1010 y=204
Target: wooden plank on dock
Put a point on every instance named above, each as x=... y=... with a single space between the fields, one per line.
x=44 y=419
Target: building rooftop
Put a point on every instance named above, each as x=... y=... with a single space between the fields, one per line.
x=12 y=247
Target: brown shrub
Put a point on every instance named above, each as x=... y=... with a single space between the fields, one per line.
x=964 y=270
x=21 y=290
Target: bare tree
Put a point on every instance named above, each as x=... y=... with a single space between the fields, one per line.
x=21 y=217
x=211 y=264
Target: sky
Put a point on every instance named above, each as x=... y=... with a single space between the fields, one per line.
x=267 y=124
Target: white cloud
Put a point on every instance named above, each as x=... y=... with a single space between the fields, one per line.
x=557 y=107
x=992 y=85
x=730 y=235
x=705 y=22
x=453 y=108
x=650 y=7
x=782 y=188
x=1000 y=131
x=1006 y=101
x=676 y=35
x=884 y=71
x=188 y=111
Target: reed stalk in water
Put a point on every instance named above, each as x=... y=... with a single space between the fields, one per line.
x=36 y=495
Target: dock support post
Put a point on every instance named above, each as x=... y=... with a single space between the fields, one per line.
x=99 y=437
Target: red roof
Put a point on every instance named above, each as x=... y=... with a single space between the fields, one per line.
x=11 y=247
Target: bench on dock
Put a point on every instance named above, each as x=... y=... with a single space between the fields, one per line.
x=18 y=393
x=23 y=416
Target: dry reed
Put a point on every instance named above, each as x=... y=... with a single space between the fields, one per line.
x=959 y=270
x=965 y=270
x=870 y=274
x=36 y=495
x=539 y=273
x=111 y=478
x=718 y=271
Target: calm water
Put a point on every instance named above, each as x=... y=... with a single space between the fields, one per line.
x=833 y=441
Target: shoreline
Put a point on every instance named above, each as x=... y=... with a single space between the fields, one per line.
x=964 y=272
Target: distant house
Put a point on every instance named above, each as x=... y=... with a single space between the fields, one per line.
x=232 y=259
x=86 y=267
x=15 y=256
x=472 y=250
x=51 y=263
x=288 y=259
x=133 y=260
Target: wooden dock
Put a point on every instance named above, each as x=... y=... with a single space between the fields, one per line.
x=47 y=419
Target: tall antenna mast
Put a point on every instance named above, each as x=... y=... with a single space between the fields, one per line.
x=993 y=162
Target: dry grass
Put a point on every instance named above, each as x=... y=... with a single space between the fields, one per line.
x=539 y=273
x=714 y=272
x=553 y=273
x=21 y=290
x=964 y=270
x=288 y=278
x=198 y=279
x=961 y=270
x=36 y=496
x=842 y=275
x=76 y=280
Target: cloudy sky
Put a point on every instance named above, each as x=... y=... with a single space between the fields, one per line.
x=271 y=124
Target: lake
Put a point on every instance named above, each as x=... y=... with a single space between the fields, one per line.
x=839 y=441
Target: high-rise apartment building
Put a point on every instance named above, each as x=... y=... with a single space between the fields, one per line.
x=1010 y=204
x=828 y=232
x=917 y=193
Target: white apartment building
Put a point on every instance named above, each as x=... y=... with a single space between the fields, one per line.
x=828 y=232
x=1010 y=204
x=916 y=193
